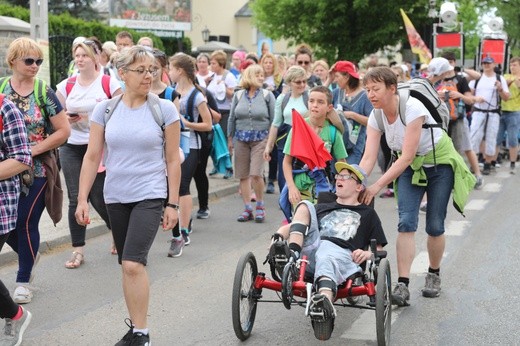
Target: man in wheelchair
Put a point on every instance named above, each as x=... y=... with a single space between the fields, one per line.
x=334 y=237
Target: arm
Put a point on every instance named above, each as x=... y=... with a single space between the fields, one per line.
x=173 y=170
x=88 y=173
x=294 y=193
x=58 y=137
x=472 y=74
x=17 y=152
x=335 y=120
x=271 y=139
x=410 y=144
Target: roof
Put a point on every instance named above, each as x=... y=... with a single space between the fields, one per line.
x=245 y=11
x=215 y=45
x=14 y=24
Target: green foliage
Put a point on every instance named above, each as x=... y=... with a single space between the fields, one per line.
x=338 y=29
x=68 y=25
x=508 y=10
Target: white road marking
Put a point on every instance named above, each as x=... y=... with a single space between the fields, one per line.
x=476 y=204
x=457 y=228
x=492 y=187
x=420 y=263
x=364 y=327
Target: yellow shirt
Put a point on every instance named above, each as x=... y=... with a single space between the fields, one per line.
x=513 y=104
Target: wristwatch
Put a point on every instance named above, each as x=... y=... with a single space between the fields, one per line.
x=172 y=205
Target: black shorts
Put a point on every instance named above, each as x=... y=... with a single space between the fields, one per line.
x=134 y=226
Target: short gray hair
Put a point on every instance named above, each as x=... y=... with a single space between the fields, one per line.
x=130 y=55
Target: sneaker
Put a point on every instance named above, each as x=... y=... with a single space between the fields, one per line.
x=389 y=193
x=140 y=339
x=228 y=174
x=512 y=168
x=432 y=287
x=401 y=295
x=185 y=237
x=213 y=172
x=423 y=207
x=13 y=330
x=322 y=314
x=496 y=165
x=487 y=169
x=127 y=339
x=176 y=247
x=203 y=213
x=479 y=183
x=270 y=188
x=22 y=295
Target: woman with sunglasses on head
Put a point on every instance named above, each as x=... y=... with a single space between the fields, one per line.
x=47 y=128
x=79 y=95
x=141 y=157
x=182 y=72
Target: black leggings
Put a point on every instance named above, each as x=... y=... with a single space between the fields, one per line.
x=8 y=308
x=201 y=178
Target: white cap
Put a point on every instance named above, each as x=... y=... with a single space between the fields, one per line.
x=438 y=66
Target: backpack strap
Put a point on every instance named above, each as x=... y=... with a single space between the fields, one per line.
x=154 y=104
x=168 y=92
x=111 y=105
x=70 y=84
x=404 y=94
x=105 y=83
x=3 y=83
x=190 y=104
x=285 y=101
x=40 y=95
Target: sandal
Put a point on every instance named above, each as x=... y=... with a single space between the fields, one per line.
x=75 y=261
x=246 y=215
x=260 y=214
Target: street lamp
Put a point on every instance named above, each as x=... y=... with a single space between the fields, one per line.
x=205 y=34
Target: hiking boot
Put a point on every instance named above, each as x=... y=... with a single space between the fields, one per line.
x=22 y=295
x=432 y=287
x=176 y=247
x=140 y=339
x=479 y=183
x=322 y=315
x=13 y=330
x=125 y=341
x=270 y=188
x=279 y=254
x=487 y=169
x=400 y=295
x=203 y=213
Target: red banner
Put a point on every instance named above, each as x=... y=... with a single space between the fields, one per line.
x=449 y=40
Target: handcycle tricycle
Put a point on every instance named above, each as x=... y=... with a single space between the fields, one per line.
x=296 y=288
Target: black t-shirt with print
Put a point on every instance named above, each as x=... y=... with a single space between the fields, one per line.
x=349 y=226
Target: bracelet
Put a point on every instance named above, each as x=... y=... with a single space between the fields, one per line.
x=172 y=205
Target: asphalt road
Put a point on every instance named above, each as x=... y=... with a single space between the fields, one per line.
x=191 y=295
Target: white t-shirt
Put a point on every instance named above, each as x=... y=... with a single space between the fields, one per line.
x=486 y=88
x=134 y=157
x=395 y=132
x=202 y=79
x=218 y=89
x=83 y=99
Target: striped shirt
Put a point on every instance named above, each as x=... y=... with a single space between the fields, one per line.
x=13 y=145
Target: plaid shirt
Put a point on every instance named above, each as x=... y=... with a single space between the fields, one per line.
x=13 y=145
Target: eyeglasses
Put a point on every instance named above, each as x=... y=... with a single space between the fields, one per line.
x=142 y=71
x=345 y=177
x=299 y=81
x=30 y=61
x=303 y=62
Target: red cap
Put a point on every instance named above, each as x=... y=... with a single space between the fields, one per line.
x=346 y=66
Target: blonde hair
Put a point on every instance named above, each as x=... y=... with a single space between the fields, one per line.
x=135 y=53
x=249 y=79
x=295 y=72
x=220 y=56
x=321 y=63
x=277 y=76
x=91 y=51
x=22 y=47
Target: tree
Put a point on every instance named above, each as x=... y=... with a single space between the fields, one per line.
x=77 y=8
x=508 y=10
x=339 y=29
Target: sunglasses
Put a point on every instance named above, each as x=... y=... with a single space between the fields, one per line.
x=449 y=78
x=30 y=61
x=299 y=81
x=303 y=62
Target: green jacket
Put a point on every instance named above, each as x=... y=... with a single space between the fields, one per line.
x=445 y=154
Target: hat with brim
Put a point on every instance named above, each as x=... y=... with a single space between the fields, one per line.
x=346 y=67
x=358 y=171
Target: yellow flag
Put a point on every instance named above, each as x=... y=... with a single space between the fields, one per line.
x=416 y=42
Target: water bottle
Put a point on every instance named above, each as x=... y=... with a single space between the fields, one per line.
x=354 y=134
x=461 y=109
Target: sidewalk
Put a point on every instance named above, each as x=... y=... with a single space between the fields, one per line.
x=52 y=237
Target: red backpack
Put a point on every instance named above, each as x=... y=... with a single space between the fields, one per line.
x=105 y=83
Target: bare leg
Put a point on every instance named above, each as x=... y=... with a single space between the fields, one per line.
x=405 y=247
x=137 y=292
x=436 y=250
x=245 y=189
x=258 y=186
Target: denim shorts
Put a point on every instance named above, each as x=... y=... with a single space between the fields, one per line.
x=334 y=262
x=510 y=122
x=438 y=191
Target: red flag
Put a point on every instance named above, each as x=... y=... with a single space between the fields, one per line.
x=306 y=145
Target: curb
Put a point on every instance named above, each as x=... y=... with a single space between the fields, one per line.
x=47 y=246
